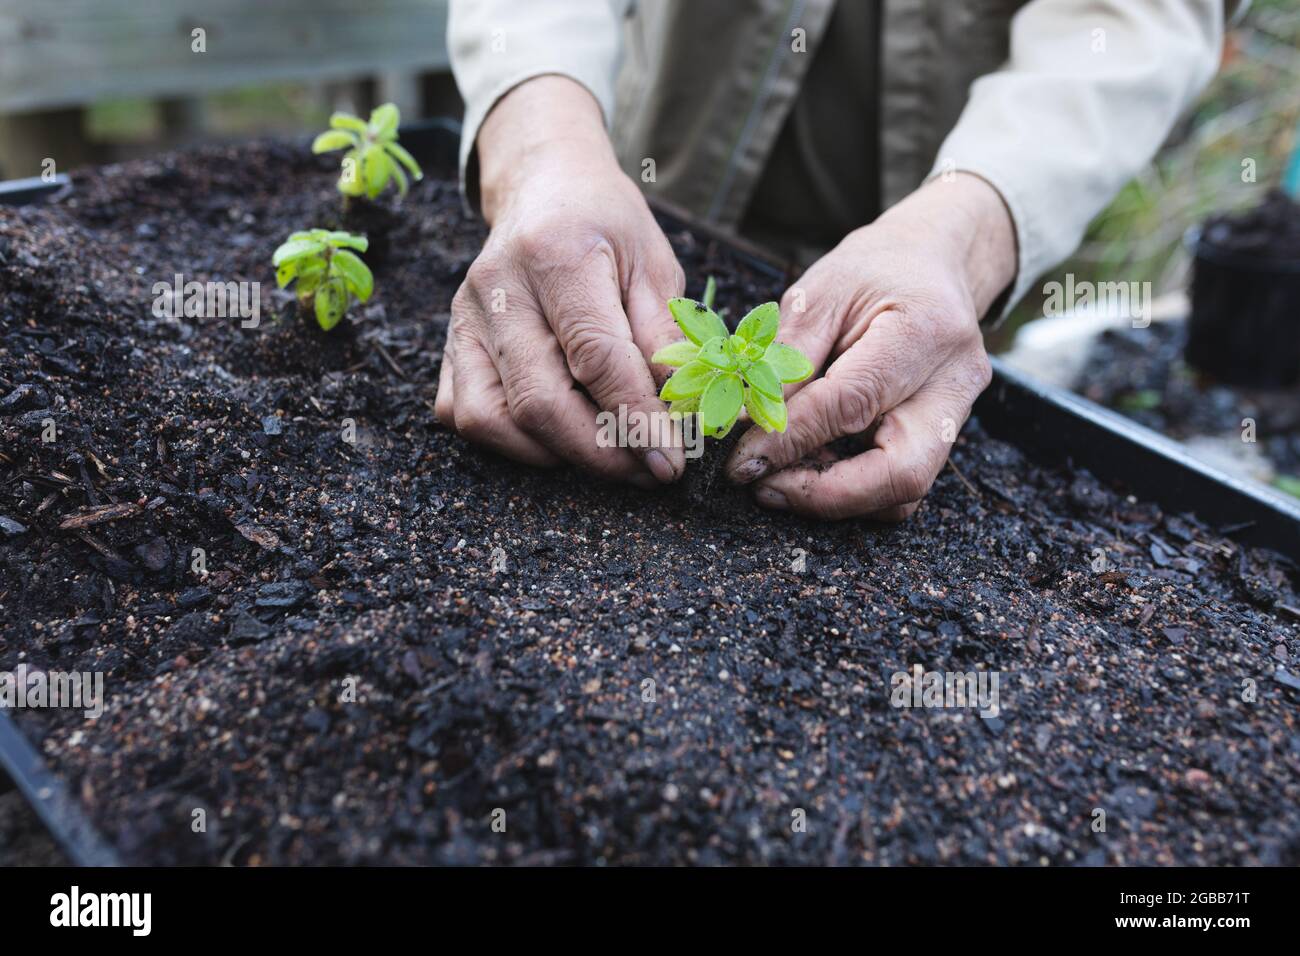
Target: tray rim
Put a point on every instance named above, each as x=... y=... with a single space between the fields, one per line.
x=1014 y=407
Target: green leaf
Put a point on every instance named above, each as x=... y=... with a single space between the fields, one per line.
x=321 y=234
x=403 y=186
x=376 y=170
x=720 y=404
x=406 y=159
x=1141 y=401
x=384 y=121
x=767 y=414
x=311 y=272
x=286 y=273
x=296 y=249
x=789 y=364
x=351 y=179
x=355 y=273
x=685 y=406
x=342 y=239
x=716 y=353
x=333 y=139
x=678 y=353
x=760 y=325
x=331 y=303
x=688 y=381
x=762 y=378
x=697 y=322
x=348 y=121
x=1288 y=484
x=710 y=292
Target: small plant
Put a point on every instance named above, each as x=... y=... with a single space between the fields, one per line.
x=325 y=272
x=373 y=158
x=718 y=373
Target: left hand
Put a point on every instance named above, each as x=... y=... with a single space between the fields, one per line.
x=895 y=307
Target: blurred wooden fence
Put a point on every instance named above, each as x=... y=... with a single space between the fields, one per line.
x=56 y=56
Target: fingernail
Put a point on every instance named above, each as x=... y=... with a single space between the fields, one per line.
x=771 y=498
x=749 y=470
x=659 y=465
x=643 y=481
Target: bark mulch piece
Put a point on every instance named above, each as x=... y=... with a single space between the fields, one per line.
x=396 y=638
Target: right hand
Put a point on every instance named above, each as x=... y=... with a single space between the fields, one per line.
x=570 y=290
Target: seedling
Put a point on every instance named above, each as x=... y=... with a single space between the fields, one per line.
x=325 y=272
x=718 y=373
x=373 y=158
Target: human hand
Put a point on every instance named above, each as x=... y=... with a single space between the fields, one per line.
x=568 y=291
x=896 y=309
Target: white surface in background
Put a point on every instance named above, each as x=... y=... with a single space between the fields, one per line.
x=1053 y=349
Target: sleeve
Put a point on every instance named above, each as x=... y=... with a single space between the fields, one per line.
x=1090 y=92
x=495 y=45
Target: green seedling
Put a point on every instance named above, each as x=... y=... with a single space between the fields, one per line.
x=325 y=272
x=373 y=158
x=719 y=373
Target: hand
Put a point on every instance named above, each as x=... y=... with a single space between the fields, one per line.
x=896 y=307
x=569 y=290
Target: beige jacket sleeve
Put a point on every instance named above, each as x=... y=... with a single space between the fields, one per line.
x=1089 y=93
x=497 y=44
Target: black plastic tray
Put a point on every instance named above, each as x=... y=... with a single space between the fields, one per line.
x=1049 y=424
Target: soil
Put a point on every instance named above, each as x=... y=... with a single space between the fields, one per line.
x=649 y=678
x=1270 y=230
x=1142 y=374
x=23 y=841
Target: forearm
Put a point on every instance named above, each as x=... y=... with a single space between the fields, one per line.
x=544 y=120
x=498 y=47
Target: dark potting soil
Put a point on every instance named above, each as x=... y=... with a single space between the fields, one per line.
x=401 y=641
x=1270 y=230
x=1141 y=373
x=23 y=841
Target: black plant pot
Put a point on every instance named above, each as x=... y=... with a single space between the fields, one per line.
x=1245 y=322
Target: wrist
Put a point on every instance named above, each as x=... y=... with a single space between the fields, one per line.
x=544 y=124
x=973 y=227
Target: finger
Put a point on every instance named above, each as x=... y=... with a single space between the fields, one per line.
x=444 y=402
x=895 y=515
x=481 y=412
x=885 y=483
x=583 y=305
x=875 y=374
x=544 y=403
x=649 y=290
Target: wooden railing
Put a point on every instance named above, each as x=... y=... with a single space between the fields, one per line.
x=58 y=56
